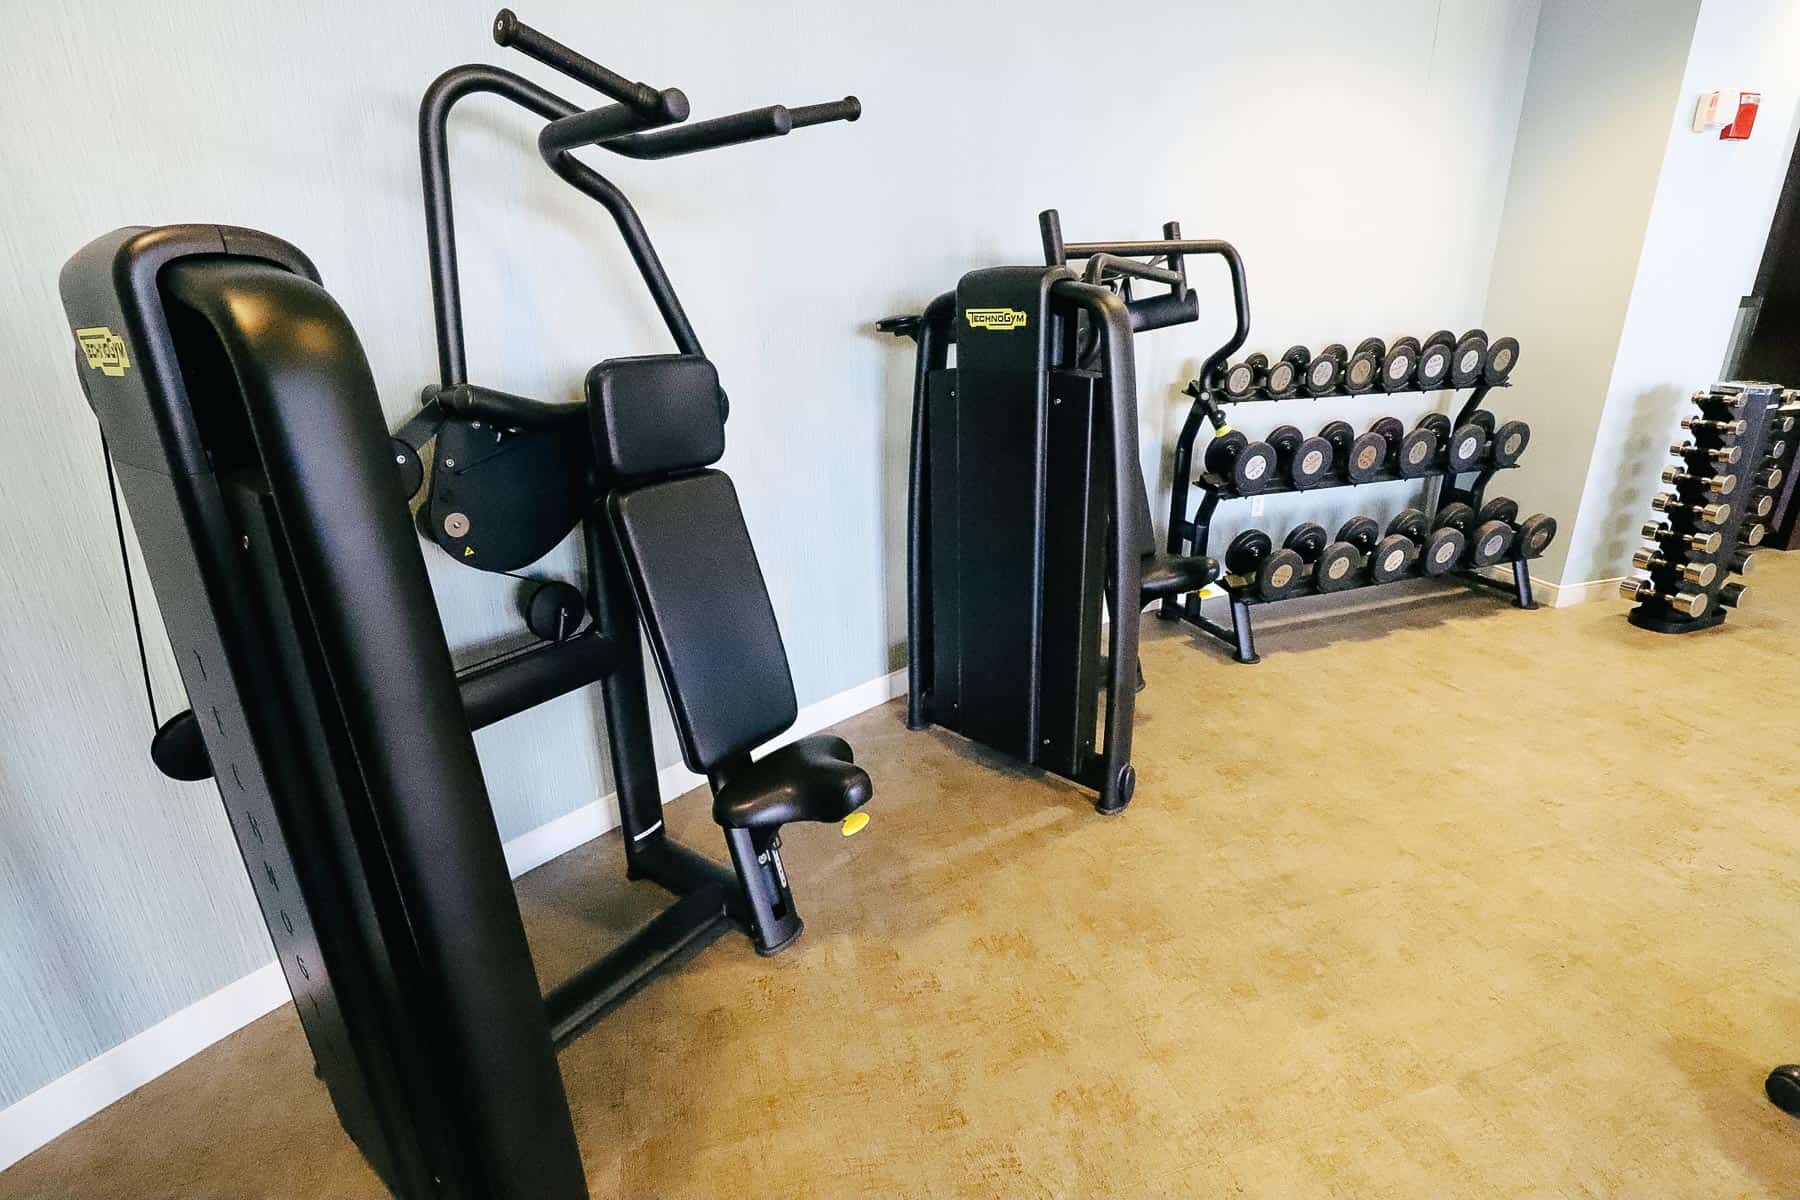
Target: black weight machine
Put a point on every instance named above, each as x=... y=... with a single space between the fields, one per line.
x=1029 y=526
x=241 y=422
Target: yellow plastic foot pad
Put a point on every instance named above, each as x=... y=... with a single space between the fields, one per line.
x=854 y=823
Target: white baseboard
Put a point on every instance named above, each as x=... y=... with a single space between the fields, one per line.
x=1559 y=595
x=64 y=1103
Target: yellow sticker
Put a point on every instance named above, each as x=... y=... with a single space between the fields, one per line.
x=854 y=823
x=999 y=319
x=105 y=350
x=1222 y=431
x=468 y=552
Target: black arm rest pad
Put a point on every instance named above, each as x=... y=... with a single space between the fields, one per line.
x=814 y=779
x=656 y=414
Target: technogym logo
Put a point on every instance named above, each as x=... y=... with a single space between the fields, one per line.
x=1000 y=319
x=105 y=350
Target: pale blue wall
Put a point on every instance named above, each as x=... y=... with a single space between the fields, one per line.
x=1604 y=79
x=121 y=897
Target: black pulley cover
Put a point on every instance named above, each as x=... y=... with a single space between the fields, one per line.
x=501 y=500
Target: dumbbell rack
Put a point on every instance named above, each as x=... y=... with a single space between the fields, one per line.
x=1190 y=536
x=1659 y=612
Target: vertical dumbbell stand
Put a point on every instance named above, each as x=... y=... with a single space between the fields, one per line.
x=1655 y=615
x=1191 y=535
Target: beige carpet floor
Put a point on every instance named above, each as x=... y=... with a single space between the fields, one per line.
x=1441 y=900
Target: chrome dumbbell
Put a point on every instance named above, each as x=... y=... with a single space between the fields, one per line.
x=1732 y=595
x=1719 y=399
x=1752 y=535
x=1769 y=477
x=1700 y=574
x=1688 y=604
x=1699 y=543
x=1708 y=425
x=1718 y=485
x=1725 y=455
x=1760 y=506
x=1712 y=514
x=1742 y=562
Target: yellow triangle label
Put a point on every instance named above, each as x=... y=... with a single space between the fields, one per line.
x=468 y=552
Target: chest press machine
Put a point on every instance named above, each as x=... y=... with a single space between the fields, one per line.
x=242 y=424
x=1030 y=548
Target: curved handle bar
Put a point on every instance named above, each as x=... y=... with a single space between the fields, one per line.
x=1240 y=295
x=510 y=31
x=471 y=402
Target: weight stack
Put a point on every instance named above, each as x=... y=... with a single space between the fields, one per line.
x=1705 y=526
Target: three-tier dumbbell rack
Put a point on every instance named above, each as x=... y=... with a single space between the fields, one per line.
x=1190 y=535
x=1691 y=588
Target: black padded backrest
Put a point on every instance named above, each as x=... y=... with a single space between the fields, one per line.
x=655 y=415
x=707 y=611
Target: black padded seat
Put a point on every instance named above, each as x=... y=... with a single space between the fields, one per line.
x=708 y=615
x=814 y=779
x=1176 y=575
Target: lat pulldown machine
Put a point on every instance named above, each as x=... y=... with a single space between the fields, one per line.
x=241 y=420
x=1029 y=523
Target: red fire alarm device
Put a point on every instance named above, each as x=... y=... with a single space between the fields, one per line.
x=1739 y=129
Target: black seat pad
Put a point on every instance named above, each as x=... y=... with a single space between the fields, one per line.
x=814 y=779
x=1175 y=575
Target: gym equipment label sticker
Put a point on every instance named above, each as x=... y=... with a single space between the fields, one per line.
x=998 y=319
x=105 y=350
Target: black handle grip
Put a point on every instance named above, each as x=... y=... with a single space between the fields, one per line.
x=1160 y=312
x=510 y=31
x=735 y=129
x=599 y=125
x=847 y=109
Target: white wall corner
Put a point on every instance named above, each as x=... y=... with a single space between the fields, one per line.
x=1551 y=594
